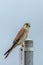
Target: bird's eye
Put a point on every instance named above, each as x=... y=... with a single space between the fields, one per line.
x=26 y=24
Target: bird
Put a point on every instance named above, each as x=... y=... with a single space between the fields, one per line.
x=19 y=39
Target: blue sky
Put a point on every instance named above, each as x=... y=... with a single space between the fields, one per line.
x=13 y=14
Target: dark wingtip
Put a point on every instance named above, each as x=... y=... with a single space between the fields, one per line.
x=6 y=54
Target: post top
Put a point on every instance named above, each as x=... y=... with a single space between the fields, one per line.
x=28 y=43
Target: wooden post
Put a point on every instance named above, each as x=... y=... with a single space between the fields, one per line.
x=26 y=54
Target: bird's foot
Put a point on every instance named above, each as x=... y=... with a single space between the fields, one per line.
x=23 y=45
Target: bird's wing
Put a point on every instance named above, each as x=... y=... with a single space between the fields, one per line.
x=19 y=35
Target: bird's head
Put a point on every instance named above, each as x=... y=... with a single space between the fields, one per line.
x=28 y=25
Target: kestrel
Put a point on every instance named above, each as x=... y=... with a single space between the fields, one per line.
x=20 y=38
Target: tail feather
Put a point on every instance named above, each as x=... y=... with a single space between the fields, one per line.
x=8 y=52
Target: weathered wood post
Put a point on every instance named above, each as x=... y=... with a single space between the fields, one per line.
x=26 y=54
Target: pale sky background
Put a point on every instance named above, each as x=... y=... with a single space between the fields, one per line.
x=13 y=14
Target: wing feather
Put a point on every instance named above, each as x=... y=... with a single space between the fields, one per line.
x=19 y=35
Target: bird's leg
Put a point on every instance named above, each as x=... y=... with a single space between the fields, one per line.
x=23 y=44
